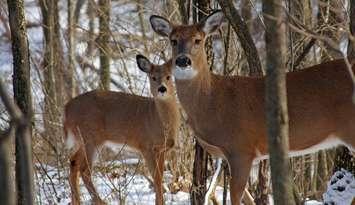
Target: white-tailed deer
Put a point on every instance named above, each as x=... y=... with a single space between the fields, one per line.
x=227 y=114
x=148 y=125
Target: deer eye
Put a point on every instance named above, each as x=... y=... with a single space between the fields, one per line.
x=173 y=42
x=197 y=41
x=154 y=78
x=168 y=77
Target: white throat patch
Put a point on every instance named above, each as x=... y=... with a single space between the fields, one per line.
x=162 y=96
x=186 y=73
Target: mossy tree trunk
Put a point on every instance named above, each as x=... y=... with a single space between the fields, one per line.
x=22 y=95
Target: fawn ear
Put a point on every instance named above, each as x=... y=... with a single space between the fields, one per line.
x=143 y=63
x=160 y=25
x=212 y=22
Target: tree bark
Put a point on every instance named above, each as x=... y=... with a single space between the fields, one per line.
x=52 y=73
x=184 y=9
x=71 y=50
x=351 y=45
x=261 y=197
x=343 y=158
x=91 y=36
x=241 y=28
x=103 y=42
x=276 y=101
x=22 y=95
x=7 y=194
x=198 y=189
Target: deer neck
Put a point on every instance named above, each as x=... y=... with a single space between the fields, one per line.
x=196 y=92
x=168 y=113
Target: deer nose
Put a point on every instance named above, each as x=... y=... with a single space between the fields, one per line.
x=183 y=61
x=162 y=89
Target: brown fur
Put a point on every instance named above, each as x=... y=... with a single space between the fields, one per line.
x=228 y=113
x=146 y=124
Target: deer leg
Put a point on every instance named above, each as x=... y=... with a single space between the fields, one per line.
x=75 y=161
x=240 y=169
x=85 y=171
x=155 y=162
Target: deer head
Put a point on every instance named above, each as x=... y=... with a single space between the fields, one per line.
x=161 y=85
x=188 y=42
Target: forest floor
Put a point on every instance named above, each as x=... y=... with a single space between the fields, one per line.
x=134 y=189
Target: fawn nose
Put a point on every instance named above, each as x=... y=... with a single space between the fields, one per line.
x=162 y=89
x=183 y=61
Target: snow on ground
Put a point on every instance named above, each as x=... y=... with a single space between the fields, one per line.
x=341 y=189
x=134 y=188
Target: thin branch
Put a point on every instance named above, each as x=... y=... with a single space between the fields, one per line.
x=10 y=105
x=244 y=36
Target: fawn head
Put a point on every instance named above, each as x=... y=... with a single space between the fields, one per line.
x=161 y=85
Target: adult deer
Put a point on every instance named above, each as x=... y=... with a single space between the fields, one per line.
x=148 y=125
x=228 y=114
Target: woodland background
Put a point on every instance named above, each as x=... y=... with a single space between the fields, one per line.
x=80 y=45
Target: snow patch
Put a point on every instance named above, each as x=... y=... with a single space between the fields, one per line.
x=341 y=189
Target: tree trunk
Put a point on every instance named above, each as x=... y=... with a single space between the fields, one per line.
x=351 y=45
x=276 y=101
x=246 y=41
x=198 y=189
x=343 y=157
x=103 y=42
x=7 y=196
x=22 y=95
x=71 y=50
x=91 y=36
x=52 y=72
x=261 y=196
x=184 y=9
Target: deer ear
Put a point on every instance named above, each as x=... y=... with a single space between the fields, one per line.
x=212 y=22
x=160 y=25
x=143 y=63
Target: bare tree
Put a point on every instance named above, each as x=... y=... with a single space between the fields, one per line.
x=22 y=95
x=103 y=42
x=276 y=101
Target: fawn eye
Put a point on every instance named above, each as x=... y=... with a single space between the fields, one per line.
x=154 y=78
x=173 y=42
x=168 y=77
x=197 y=41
